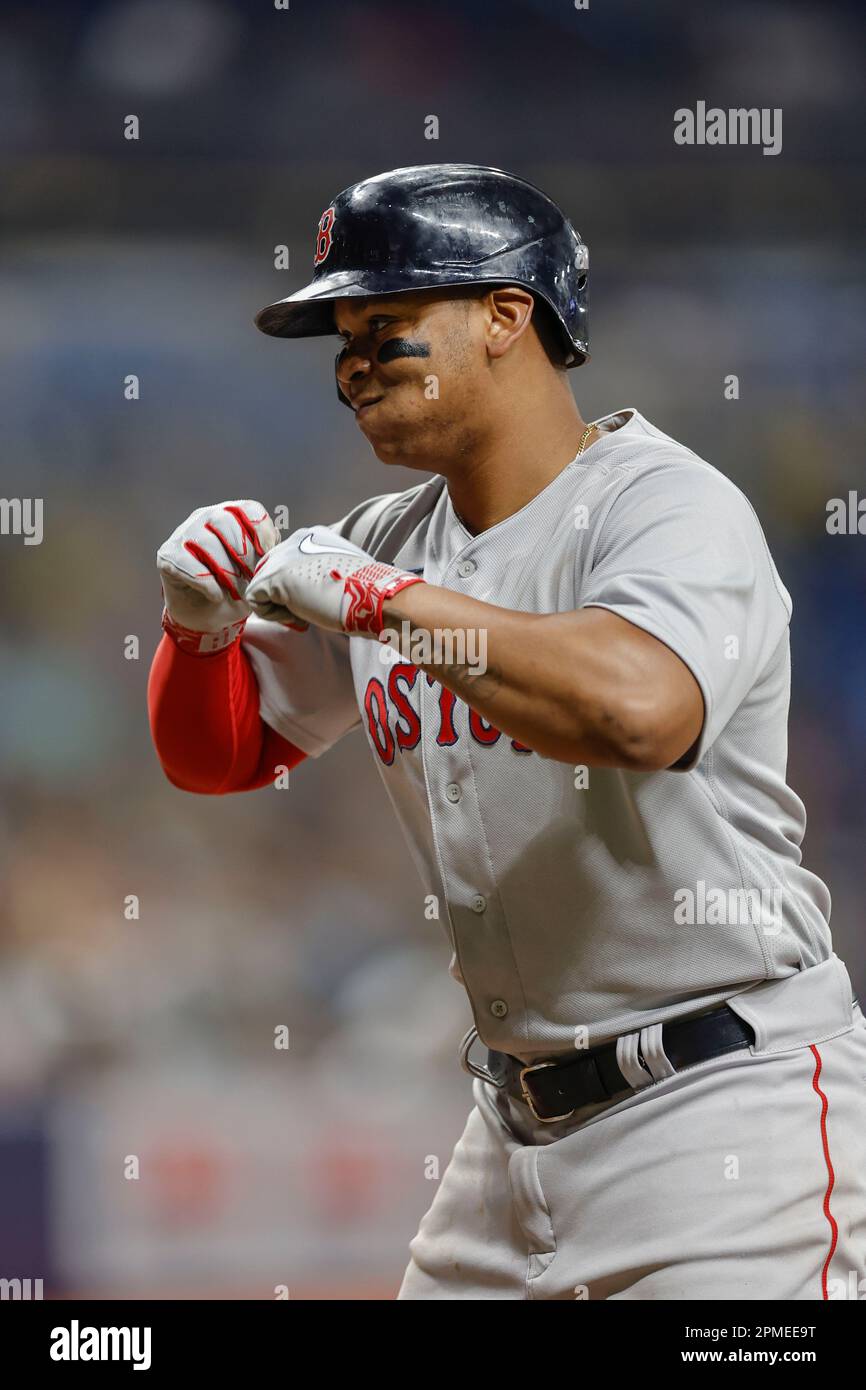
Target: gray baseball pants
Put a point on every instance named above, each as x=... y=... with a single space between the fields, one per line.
x=743 y=1177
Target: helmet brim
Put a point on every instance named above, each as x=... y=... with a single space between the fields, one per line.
x=309 y=312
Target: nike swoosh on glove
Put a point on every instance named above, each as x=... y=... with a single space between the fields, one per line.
x=317 y=576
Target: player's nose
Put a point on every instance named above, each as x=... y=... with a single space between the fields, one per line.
x=353 y=367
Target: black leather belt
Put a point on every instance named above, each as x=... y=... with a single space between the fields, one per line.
x=554 y=1090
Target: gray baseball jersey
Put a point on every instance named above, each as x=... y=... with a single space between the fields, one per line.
x=589 y=899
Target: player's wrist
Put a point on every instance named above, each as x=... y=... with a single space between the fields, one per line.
x=197 y=643
x=408 y=603
x=371 y=596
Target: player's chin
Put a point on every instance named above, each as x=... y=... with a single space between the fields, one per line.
x=385 y=428
x=388 y=450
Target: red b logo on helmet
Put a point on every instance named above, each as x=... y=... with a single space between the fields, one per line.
x=323 y=238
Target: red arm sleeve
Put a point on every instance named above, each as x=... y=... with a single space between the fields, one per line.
x=205 y=722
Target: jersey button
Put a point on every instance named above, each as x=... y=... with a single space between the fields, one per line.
x=499 y=1008
x=453 y=792
x=466 y=568
x=478 y=903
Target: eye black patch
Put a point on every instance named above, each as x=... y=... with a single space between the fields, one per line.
x=401 y=347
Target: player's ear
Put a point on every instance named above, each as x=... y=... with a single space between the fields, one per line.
x=508 y=314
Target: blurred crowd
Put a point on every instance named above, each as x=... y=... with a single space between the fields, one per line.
x=144 y=931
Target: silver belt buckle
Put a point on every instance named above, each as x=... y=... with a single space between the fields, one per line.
x=527 y=1096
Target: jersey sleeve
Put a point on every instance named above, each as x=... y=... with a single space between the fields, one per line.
x=307 y=693
x=681 y=554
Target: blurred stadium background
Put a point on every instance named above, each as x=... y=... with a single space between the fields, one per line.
x=154 y=1037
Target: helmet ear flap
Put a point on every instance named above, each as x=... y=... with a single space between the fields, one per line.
x=552 y=336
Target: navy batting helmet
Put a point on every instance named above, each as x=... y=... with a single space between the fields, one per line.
x=435 y=225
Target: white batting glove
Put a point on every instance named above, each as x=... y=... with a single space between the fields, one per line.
x=205 y=567
x=316 y=576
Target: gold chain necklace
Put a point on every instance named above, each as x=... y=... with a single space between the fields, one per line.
x=580 y=448
x=582 y=445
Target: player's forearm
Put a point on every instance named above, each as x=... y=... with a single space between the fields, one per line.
x=547 y=680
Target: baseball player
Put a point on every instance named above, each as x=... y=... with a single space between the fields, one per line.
x=568 y=649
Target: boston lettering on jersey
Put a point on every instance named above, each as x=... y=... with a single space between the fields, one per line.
x=394 y=723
